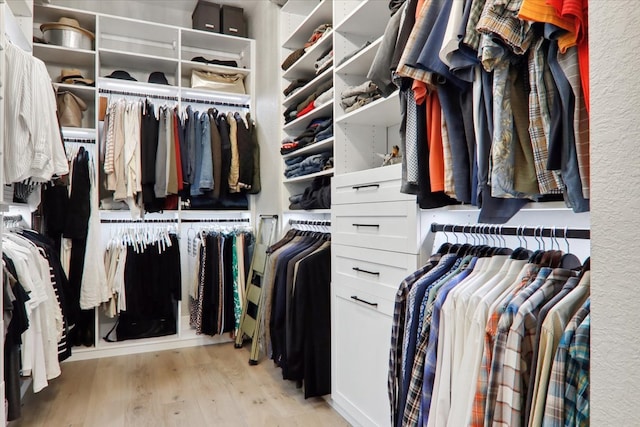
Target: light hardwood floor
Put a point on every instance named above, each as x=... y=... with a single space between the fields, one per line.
x=200 y=386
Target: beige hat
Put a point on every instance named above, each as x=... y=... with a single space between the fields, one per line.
x=73 y=76
x=65 y=23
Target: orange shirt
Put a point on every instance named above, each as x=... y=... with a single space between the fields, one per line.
x=434 y=141
x=570 y=15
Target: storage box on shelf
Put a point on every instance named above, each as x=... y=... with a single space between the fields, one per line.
x=206 y=16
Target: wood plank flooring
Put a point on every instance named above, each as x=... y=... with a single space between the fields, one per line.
x=200 y=386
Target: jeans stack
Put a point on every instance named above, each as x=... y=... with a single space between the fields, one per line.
x=305 y=165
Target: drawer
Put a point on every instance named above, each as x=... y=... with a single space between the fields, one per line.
x=381 y=300
x=369 y=268
x=360 y=361
x=373 y=185
x=388 y=226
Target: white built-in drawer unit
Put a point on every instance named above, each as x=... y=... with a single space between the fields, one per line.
x=373 y=185
x=374 y=271
x=389 y=226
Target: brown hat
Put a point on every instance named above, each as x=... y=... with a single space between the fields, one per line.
x=65 y=23
x=73 y=76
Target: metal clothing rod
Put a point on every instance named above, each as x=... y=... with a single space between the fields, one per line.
x=138 y=221
x=490 y=229
x=138 y=94
x=207 y=102
x=217 y=220
x=309 y=222
x=80 y=140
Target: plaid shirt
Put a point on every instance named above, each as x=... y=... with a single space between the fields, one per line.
x=480 y=399
x=576 y=395
x=554 y=406
x=504 y=325
x=412 y=408
x=471 y=36
x=499 y=18
x=509 y=408
x=540 y=96
x=397 y=333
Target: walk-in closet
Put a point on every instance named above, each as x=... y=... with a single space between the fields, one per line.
x=319 y=212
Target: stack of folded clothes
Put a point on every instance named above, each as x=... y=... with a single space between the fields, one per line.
x=295 y=86
x=305 y=165
x=317 y=34
x=355 y=97
x=322 y=95
x=324 y=61
x=315 y=196
x=318 y=130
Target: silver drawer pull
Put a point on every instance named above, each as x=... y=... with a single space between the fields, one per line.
x=372 y=304
x=367 y=225
x=358 y=187
x=358 y=269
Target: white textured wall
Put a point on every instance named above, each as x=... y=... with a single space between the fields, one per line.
x=615 y=165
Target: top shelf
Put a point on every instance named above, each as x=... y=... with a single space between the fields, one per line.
x=321 y=14
x=197 y=40
x=44 y=14
x=299 y=7
x=368 y=19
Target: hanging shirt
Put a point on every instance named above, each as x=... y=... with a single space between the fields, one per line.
x=554 y=411
x=514 y=381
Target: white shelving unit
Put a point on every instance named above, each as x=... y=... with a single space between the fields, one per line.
x=298 y=20
x=140 y=48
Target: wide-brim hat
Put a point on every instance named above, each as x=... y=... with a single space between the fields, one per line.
x=66 y=23
x=122 y=75
x=158 y=77
x=73 y=76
